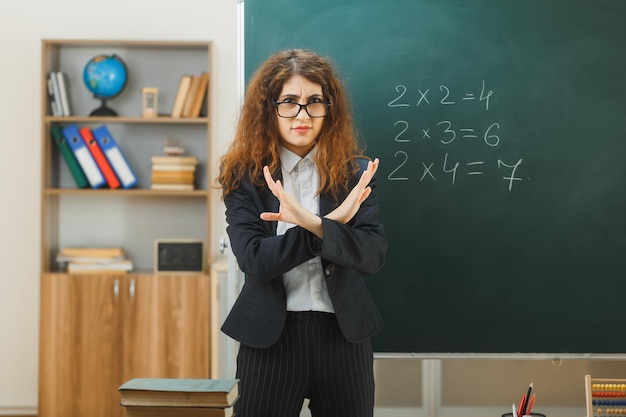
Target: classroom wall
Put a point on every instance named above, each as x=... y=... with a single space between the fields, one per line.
x=21 y=31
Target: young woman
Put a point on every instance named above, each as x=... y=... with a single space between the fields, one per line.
x=303 y=224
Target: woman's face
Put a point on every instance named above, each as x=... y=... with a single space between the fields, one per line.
x=298 y=134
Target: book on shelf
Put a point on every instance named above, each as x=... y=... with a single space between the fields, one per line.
x=54 y=95
x=179 y=159
x=200 y=95
x=174 y=167
x=92 y=256
x=65 y=104
x=181 y=95
x=171 y=187
x=68 y=156
x=93 y=252
x=179 y=392
x=169 y=177
x=103 y=163
x=61 y=258
x=191 y=95
x=132 y=411
x=121 y=266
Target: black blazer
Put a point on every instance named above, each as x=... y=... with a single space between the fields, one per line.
x=348 y=251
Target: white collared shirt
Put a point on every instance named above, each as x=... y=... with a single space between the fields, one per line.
x=305 y=284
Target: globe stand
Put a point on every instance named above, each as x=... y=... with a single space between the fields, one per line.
x=103 y=110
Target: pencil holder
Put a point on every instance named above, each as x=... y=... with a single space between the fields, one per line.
x=531 y=414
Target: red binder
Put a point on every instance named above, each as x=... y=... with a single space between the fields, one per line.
x=101 y=160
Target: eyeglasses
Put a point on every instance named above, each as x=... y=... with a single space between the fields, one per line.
x=289 y=109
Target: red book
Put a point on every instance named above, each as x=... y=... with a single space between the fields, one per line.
x=101 y=160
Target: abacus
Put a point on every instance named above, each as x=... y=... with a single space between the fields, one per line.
x=605 y=397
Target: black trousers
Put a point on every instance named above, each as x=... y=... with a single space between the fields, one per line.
x=311 y=360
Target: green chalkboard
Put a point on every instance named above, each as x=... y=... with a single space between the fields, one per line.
x=501 y=130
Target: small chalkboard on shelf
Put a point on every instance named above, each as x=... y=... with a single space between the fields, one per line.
x=179 y=256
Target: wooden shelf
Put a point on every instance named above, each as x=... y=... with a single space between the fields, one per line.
x=115 y=326
x=159 y=64
x=140 y=120
x=128 y=193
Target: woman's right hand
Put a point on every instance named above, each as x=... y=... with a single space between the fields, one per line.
x=291 y=211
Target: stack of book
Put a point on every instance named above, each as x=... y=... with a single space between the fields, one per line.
x=173 y=172
x=179 y=397
x=90 y=260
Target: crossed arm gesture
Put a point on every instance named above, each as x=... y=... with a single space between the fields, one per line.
x=291 y=211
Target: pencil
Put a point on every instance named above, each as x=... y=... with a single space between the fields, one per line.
x=530 y=404
x=522 y=402
x=530 y=388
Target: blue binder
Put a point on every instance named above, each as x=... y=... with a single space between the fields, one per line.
x=83 y=156
x=115 y=156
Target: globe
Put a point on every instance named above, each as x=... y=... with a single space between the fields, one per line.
x=105 y=76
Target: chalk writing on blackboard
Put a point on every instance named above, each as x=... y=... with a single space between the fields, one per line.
x=452 y=168
x=446 y=97
x=446 y=132
x=449 y=133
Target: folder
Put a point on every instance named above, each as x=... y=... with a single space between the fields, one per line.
x=83 y=156
x=115 y=156
x=103 y=163
x=68 y=156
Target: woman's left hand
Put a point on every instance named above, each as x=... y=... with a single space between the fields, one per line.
x=350 y=206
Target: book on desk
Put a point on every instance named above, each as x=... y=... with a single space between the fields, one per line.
x=167 y=393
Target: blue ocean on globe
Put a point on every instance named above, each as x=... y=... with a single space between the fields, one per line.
x=105 y=76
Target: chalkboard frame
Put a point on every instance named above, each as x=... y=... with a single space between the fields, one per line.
x=179 y=256
x=578 y=219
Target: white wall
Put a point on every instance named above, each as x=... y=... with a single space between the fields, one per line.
x=21 y=31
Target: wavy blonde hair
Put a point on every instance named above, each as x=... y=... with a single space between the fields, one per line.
x=256 y=140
